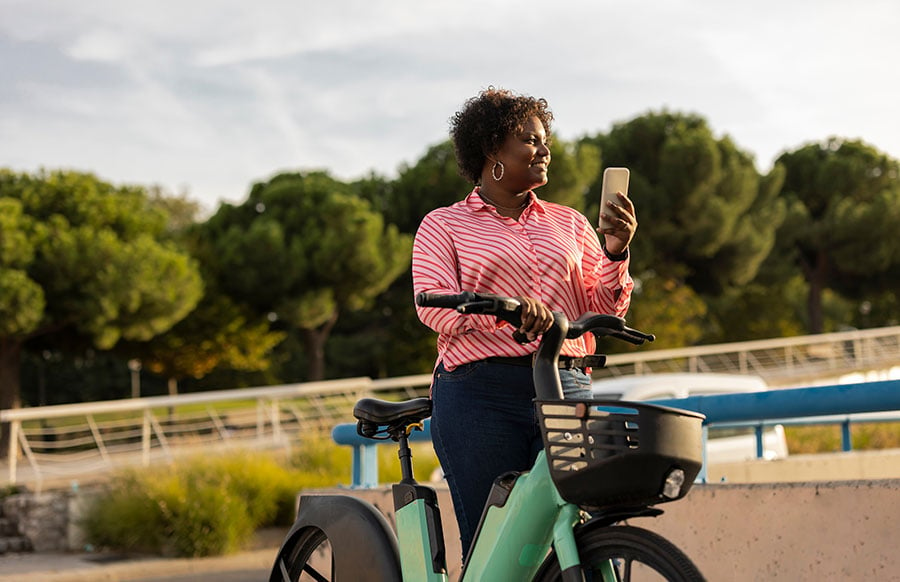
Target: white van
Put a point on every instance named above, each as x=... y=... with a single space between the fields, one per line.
x=724 y=445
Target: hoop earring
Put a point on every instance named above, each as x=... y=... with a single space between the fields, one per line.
x=494 y=171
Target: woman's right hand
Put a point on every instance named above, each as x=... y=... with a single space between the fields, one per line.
x=536 y=317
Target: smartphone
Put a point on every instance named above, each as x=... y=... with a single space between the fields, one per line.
x=614 y=180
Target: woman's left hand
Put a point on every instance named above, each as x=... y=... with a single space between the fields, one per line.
x=623 y=224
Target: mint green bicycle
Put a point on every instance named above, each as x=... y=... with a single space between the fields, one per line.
x=604 y=462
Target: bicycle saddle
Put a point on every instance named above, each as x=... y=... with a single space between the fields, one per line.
x=382 y=412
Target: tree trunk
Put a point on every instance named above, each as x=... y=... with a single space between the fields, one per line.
x=172 y=385
x=816 y=277
x=315 y=340
x=10 y=365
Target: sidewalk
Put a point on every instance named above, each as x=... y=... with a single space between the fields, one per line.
x=81 y=567
x=111 y=567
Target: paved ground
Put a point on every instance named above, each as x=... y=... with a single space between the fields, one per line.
x=251 y=566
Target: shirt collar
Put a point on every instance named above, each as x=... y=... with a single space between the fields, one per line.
x=474 y=202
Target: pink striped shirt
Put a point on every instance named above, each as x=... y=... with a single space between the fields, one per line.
x=551 y=253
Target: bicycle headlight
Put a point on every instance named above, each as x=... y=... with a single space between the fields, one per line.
x=673 y=483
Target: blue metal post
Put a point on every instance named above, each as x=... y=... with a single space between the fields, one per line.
x=370 y=466
x=760 y=445
x=846 y=438
x=356 y=466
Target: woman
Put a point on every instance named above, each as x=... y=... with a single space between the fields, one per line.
x=503 y=239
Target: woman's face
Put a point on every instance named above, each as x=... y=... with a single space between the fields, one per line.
x=525 y=156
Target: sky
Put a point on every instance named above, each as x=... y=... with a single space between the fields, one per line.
x=208 y=97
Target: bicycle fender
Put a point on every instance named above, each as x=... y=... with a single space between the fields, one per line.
x=610 y=516
x=363 y=543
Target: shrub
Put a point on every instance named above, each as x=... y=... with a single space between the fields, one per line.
x=197 y=507
x=212 y=505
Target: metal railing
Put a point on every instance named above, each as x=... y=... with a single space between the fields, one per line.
x=80 y=441
x=56 y=444
x=845 y=403
x=781 y=362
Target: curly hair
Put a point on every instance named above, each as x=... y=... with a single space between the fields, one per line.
x=483 y=124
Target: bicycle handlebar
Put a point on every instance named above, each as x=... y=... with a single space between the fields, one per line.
x=508 y=309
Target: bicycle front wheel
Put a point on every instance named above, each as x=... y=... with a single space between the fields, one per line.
x=308 y=558
x=625 y=553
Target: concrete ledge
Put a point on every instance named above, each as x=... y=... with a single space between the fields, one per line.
x=852 y=465
x=787 y=531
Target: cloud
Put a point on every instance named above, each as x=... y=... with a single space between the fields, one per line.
x=214 y=95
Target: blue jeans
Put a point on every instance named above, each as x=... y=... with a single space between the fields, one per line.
x=483 y=424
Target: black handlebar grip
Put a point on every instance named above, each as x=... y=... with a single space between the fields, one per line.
x=521 y=337
x=439 y=300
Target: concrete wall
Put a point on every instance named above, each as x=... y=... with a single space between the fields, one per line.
x=853 y=465
x=848 y=530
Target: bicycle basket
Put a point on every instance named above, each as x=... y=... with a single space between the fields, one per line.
x=604 y=453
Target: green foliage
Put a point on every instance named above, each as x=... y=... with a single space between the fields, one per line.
x=432 y=182
x=211 y=505
x=83 y=262
x=573 y=168
x=305 y=246
x=322 y=462
x=218 y=333
x=757 y=311
x=8 y=490
x=21 y=298
x=706 y=215
x=826 y=438
x=425 y=463
x=168 y=513
x=877 y=435
x=843 y=202
x=96 y=258
x=308 y=278
x=669 y=309
x=307 y=249
x=203 y=506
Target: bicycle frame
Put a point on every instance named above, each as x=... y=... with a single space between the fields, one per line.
x=516 y=533
x=525 y=517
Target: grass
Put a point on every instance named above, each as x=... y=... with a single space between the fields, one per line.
x=827 y=438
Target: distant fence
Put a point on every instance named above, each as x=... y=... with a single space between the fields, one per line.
x=53 y=444
x=75 y=441
x=782 y=362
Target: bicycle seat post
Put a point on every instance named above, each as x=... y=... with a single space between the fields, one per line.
x=405 y=455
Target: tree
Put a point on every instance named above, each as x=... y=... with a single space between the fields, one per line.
x=667 y=308
x=218 y=333
x=82 y=263
x=707 y=216
x=843 y=201
x=301 y=250
x=432 y=182
x=574 y=167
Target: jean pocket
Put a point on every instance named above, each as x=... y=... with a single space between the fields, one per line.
x=460 y=372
